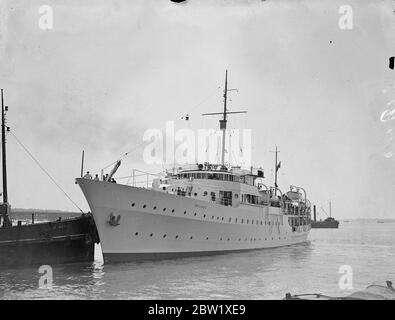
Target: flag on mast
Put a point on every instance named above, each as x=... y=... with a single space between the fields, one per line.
x=278 y=166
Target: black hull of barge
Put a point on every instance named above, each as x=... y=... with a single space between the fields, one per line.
x=325 y=225
x=49 y=243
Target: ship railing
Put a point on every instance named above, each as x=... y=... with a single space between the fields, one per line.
x=186 y=167
x=296 y=208
x=140 y=178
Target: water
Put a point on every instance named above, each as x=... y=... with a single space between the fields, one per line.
x=367 y=247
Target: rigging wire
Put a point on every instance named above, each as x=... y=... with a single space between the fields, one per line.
x=204 y=100
x=45 y=171
x=124 y=155
x=188 y=112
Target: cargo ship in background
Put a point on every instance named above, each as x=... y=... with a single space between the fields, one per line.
x=328 y=223
x=55 y=242
x=202 y=209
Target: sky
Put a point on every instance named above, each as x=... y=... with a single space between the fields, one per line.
x=108 y=71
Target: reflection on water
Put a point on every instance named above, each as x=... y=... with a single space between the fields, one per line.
x=264 y=274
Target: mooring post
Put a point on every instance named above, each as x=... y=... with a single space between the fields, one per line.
x=33 y=218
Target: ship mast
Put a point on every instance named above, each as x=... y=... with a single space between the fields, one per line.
x=276 y=167
x=5 y=205
x=3 y=151
x=223 y=121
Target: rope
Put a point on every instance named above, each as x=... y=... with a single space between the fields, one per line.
x=45 y=171
x=188 y=112
x=204 y=100
x=124 y=155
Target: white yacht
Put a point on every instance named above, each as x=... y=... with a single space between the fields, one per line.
x=200 y=210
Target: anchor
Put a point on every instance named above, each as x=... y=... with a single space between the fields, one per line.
x=114 y=220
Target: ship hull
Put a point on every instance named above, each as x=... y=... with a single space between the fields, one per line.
x=325 y=225
x=141 y=224
x=50 y=243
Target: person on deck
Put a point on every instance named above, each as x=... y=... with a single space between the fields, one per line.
x=96 y=177
x=87 y=175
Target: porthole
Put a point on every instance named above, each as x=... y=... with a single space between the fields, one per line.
x=206 y=238
x=252 y=222
x=172 y=210
x=204 y=216
x=236 y=220
x=220 y=239
x=177 y=237
x=205 y=193
x=164 y=209
x=230 y=219
x=164 y=236
x=144 y=206
x=228 y=239
x=191 y=237
x=194 y=214
x=247 y=221
x=222 y=219
x=133 y=204
x=217 y=218
x=195 y=194
x=242 y=220
x=136 y=234
x=239 y=239
x=212 y=217
x=185 y=212
x=151 y=234
x=154 y=208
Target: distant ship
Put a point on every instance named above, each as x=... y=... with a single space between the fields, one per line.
x=204 y=209
x=328 y=223
x=62 y=241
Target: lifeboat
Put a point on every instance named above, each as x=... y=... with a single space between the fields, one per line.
x=294 y=196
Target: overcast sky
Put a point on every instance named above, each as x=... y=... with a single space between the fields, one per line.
x=109 y=70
